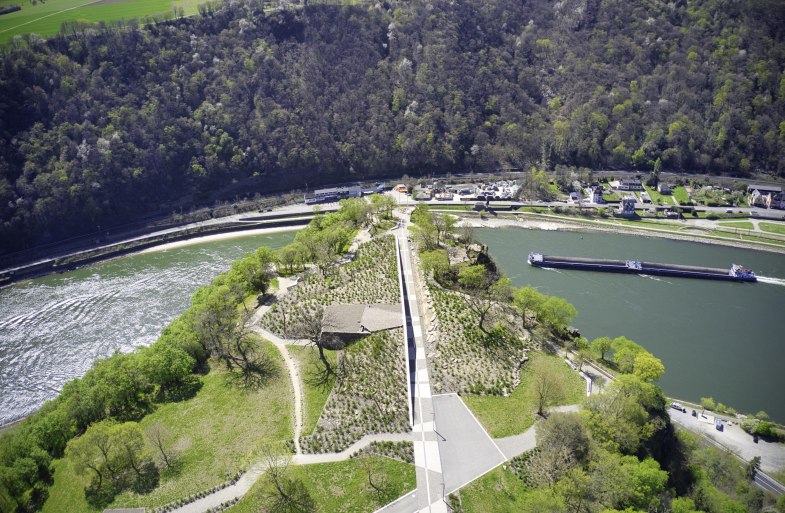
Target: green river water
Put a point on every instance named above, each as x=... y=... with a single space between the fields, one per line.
x=53 y=327
x=717 y=339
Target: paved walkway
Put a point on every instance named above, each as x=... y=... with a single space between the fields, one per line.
x=427 y=459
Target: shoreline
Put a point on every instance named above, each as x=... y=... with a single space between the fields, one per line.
x=215 y=237
x=556 y=224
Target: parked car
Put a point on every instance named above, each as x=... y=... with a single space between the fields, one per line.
x=694 y=413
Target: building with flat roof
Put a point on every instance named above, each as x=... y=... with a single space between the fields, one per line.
x=345 y=323
x=332 y=194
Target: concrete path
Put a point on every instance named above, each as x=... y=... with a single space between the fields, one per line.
x=427 y=459
x=467 y=452
x=512 y=446
x=235 y=491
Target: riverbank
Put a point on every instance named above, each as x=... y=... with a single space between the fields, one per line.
x=231 y=227
x=216 y=237
x=550 y=222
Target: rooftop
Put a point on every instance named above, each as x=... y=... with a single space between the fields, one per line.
x=361 y=318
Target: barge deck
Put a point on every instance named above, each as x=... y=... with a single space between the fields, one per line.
x=735 y=273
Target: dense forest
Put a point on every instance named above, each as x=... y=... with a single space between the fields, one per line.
x=104 y=124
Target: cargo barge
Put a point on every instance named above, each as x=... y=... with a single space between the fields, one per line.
x=735 y=273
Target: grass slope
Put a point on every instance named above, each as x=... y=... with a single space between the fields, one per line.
x=341 y=487
x=219 y=430
x=506 y=416
x=316 y=395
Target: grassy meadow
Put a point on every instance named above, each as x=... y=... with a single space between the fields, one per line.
x=511 y=415
x=220 y=430
x=341 y=487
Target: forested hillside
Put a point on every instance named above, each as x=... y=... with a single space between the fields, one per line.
x=105 y=124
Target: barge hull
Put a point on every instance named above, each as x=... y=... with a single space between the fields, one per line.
x=648 y=268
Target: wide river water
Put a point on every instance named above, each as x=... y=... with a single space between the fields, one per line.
x=53 y=327
x=717 y=339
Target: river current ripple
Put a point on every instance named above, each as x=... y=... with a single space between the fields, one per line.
x=53 y=328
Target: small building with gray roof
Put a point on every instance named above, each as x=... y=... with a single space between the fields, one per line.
x=346 y=323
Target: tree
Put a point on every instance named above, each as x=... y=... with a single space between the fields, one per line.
x=546 y=385
x=567 y=430
x=286 y=494
x=468 y=234
x=601 y=346
x=626 y=415
x=115 y=454
x=648 y=367
x=309 y=326
x=444 y=224
x=226 y=336
x=582 y=356
x=435 y=262
x=752 y=468
x=556 y=313
x=527 y=301
x=159 y=436
x=624 y=353
x=474 y=277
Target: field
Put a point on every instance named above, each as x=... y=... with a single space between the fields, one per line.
x=745 y=225
x=506 y=416
x=341 y=487
x=773 y=227
x=45 y=18
x=220 y=430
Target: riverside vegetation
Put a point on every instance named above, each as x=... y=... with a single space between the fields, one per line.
x=141 y=428
x=105 y=124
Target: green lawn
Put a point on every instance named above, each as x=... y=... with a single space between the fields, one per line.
x=773 y=227
x=316 y=395
x=654 y=195
x=680 y=195
x=341 y=487
x=746 y=225
x=506 y=416
x=220 y=430
x=46 y=18
x=499 y=490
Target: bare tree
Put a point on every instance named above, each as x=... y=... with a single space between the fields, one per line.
x=159 y=435
x=309 y=326
x=287 y=494
x=228 y=338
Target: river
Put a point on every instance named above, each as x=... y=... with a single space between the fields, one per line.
x=53 y=327
x=717 y=339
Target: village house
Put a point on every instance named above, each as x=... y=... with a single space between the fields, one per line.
x=627 y=184
x=767 y=196
x=664 y=188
